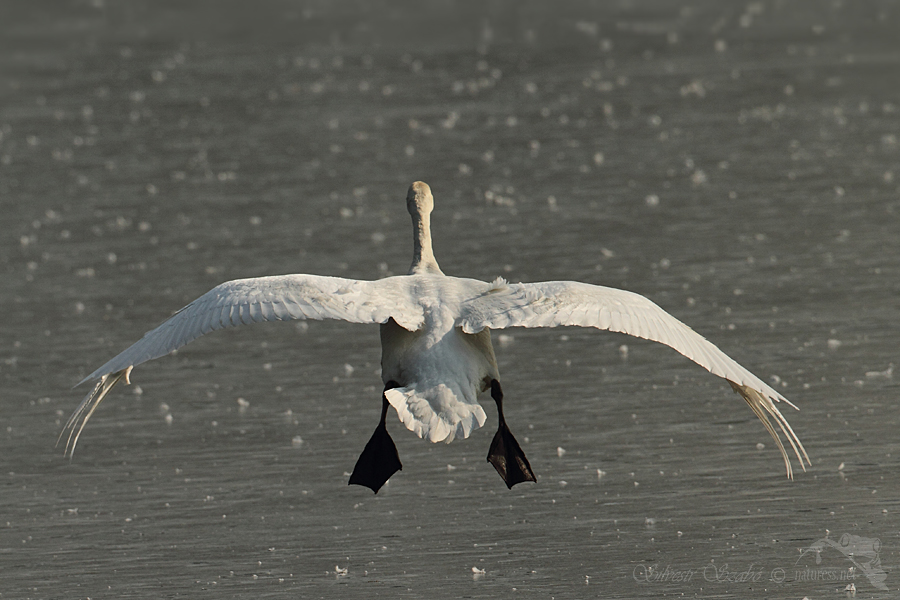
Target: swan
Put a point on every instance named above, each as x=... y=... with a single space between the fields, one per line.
x=436 y=345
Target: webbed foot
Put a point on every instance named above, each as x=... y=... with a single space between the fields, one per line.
x=505 y=453
x=379 y=460
x=508 y=458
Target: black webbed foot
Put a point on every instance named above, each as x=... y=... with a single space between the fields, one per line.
x=379 y=460
x=508 y=458
x=505 y=453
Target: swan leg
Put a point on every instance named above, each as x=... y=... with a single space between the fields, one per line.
x=505 y=453
x=379 y=460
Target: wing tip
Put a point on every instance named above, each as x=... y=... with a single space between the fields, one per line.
x=79 y=418
x=763 y=407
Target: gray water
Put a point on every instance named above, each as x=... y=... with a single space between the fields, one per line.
x=735 y=162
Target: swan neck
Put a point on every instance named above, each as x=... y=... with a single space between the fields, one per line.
x=423 y=255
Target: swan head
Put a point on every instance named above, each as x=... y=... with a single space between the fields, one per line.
x=419 y=201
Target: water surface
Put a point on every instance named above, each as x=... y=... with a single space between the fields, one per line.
x=736 y=163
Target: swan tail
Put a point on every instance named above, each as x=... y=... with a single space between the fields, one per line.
x=438 y=414
x=763 y=408
x=75 y=424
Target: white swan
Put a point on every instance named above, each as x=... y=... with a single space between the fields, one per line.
x=436 y=344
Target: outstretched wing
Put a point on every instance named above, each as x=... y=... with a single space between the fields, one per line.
x=245 y=301
x=553 y=303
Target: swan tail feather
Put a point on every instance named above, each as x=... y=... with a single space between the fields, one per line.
x=438 y=414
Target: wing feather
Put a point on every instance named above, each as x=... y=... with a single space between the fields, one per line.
x=553 y=303
x=280 y=310
x=246 y=301
x=278 y=298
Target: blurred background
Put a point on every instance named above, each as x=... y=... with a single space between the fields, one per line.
x=736 y=162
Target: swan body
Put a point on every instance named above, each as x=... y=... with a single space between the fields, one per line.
x=437 y=355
